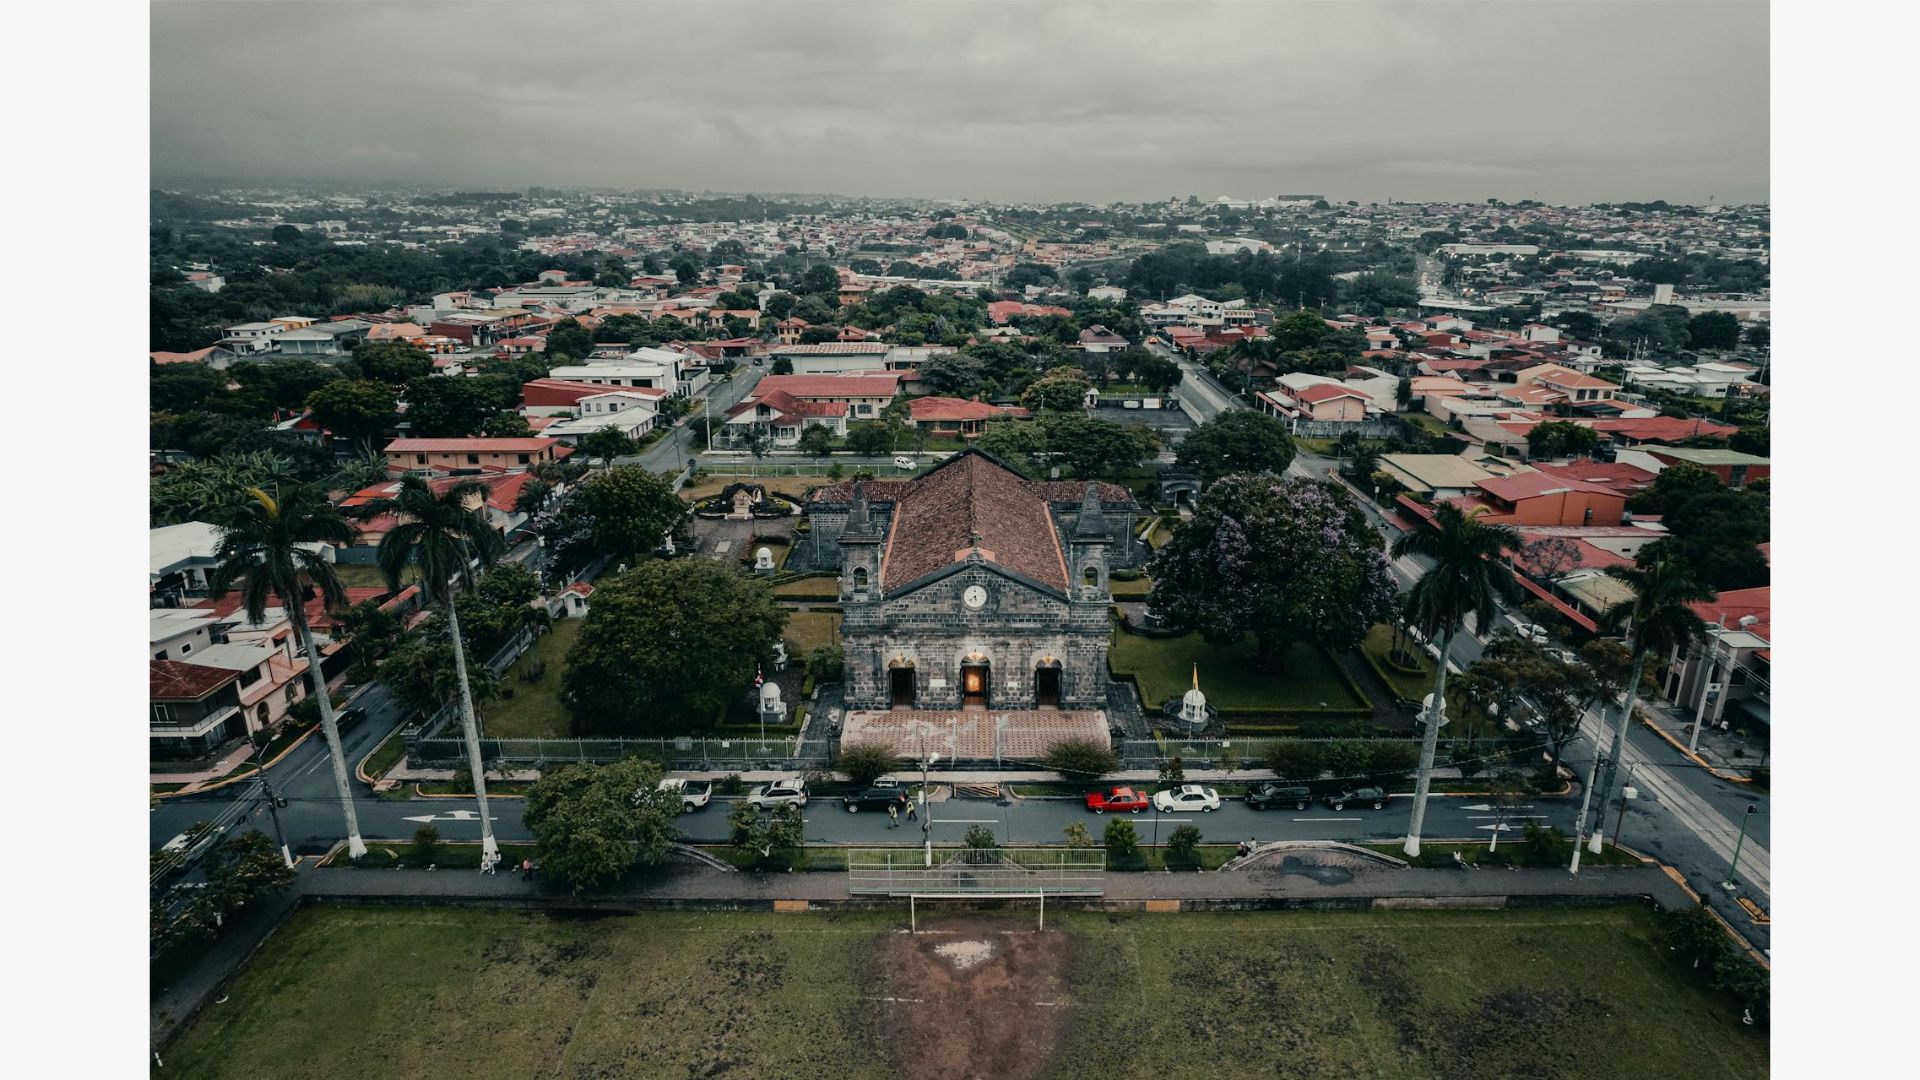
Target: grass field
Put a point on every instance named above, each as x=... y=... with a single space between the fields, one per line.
x=1163 y=668
x=534 y=711
x=400 y=992
x=809 y=629
x=791 y=486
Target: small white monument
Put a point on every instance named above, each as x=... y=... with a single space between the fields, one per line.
x=763 y=561
x=1194 y=711
x=779 y=656
x=772 y=710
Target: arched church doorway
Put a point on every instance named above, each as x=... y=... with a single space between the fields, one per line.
x=976 y=683
x=1046 y=683
x=902 y=688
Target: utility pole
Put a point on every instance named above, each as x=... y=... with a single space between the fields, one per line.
x=273 y=806
x=1737 y=845
x=1624 y=796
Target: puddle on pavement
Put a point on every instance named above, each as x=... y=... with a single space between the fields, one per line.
x=1325 y=875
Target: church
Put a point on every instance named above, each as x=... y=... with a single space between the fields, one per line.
x=971 y=591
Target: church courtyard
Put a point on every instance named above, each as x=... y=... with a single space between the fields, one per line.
x=1305 y=679
x=403 y=992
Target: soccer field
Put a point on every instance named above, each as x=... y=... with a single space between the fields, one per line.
x=449 y=992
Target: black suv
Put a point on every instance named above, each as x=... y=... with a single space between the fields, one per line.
x=1269 y=795
x=878 y=797
x=1366 y=796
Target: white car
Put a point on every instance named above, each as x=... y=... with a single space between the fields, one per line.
x=1187 y=797
x=694 y=794
x=904 y=462
x=792 y=792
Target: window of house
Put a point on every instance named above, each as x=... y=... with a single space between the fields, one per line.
x=524 y=459
x=162 y=714
x=161 y=655
x=859 y=579
x=473 y=459
x=419 y=459
x=293 y=691
x=186 y=647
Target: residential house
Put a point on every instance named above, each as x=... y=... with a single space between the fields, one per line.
x=1442 y=476
x=632 y=412
x=789 y=329
x=247 y=339
x=1734 y=468
x=1325 y=401
x=448 y=456
x=1099 y=339
x=193 y=710
x=498 y=497
x=1543 y=497
x=1725 y=679
x=335 y=338
x=947 y=417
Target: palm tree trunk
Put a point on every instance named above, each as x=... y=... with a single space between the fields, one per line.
x=356 y=847
x=470 y=727
x=1619 y=744
x=1429 y=743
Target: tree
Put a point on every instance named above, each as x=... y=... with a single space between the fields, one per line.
x=1550 y=557
x=872 y=438
x=782 y=365
x=285 y=235
x=1077 y=836
x=1713 y=330
x=685 y=272
x=359 y=410
x=1182 y=843
x=819 y=278
x=1094 y=447
x=593 y=822
x=1676 y=484
x=1287 y=560
x=507 y=425
x=372 y=631
x=396 y=363
x=568 y=338
x=213 y=489
x=632 y=508
x=866 y=762
x=1020 y=443
x=763 y=834
x=283 y=385
x=1718 y=535
x=1120 y=839
x=1661 y=621
x=979 y=838
x=1081 y=759
x=1557 y=438
x=177 y=388
x=817 y=440
x=608 y=443
x=1465 y=554
x=779 y=305
x=667 y=646
x=1241 y=441
x=443 y=408
x=267 y=551
x=440 y=536
x=1061 y=389
x=1156 y=373
x=957 y=375
x=1694 y=936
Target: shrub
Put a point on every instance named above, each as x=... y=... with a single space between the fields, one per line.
x=1297 y=760
x=1077 y=836
x=1127 y=573
x=1081 y=758
x=1467 y=757
x=980 y=838
x=1348 y=757
x=866 y=762
x=1172 y=771
x=826 y=663
x=731 y=785
x=1393 y=759
x=1122 y=842
x=426 y=842
x=1181 y=842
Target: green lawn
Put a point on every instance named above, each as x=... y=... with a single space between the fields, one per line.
x=1163 y=668
x=534 y=711
x=1130 y=590
x=794 y=487
x=807 y=629
x=1378 y=644
x=405 y=992
x=822 y=589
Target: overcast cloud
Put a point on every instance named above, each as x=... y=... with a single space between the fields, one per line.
x=1566 y=102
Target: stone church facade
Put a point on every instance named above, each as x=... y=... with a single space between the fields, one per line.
x=973 y=587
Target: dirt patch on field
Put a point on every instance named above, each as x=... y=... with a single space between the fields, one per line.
x=972 y=999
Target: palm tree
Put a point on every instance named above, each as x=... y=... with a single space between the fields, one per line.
x=441 y=537
x=269 y=547
x=1663 y=585
x=1465 y=554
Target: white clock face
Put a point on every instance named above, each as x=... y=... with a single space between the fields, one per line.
x=975 y=597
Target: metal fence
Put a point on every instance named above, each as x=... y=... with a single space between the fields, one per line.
x=970 y=872
x=778 y=754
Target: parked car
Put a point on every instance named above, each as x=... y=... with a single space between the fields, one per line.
x=882 y=794
x=789 y=792
x=348 y=719
x=1120 y=800
x=1366 y=796
x=1187 y=797
x=1527 y=631
x=1268 y=795
x=694 y=794
x=904 y=462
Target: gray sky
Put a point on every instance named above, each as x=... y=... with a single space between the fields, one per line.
x=1566 y=102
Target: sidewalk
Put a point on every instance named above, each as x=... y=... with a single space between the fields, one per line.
x=1720 y=752
x=1307 y=878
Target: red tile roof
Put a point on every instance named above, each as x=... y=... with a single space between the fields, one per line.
x=177 y=680
x=971 y=501
x=1319 y=392
x=808 y=387
x=1735 y=604
x=1658 y=428
x=932 y=409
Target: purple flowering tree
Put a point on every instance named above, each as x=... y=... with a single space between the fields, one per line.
x=1285 y=560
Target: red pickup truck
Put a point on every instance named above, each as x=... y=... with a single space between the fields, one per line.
x=1119 y=800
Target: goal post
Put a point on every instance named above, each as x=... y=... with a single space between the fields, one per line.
x=914 y=899
x=976 y=874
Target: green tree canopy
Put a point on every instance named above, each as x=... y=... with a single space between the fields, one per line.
x=667 y=645
x=595 y=822
x=360 y=410
x=1241 y=441
x=396 y=363
x=1061 y=389
x=568 y=338
x=632 y=508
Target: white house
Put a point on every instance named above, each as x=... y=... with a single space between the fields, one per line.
x=633 y=413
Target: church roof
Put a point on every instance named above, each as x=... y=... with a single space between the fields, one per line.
x=972 y=502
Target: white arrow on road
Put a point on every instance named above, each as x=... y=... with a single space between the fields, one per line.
x=1509 y=817
x=1484 y=807
x=1496 y=828
x=456 y=815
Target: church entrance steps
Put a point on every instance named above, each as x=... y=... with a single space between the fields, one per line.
x=975 y=736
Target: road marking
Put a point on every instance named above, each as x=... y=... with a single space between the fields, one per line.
x=1484 y=807
x=1329 y=819
x=457 y=815
x=1509 y=817
x=968 y=821
x=1496 y=828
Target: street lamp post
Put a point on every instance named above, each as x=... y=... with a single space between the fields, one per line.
x=1737 y=844
x=273 y=804
x=926 y=804
x=1626 y=792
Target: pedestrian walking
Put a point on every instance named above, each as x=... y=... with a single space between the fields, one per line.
x=526 y=869
x=893 y=815
x=909 y=801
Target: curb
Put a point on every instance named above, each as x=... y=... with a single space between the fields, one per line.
x=191 y=789
x=1693 y=757
x=418 y=794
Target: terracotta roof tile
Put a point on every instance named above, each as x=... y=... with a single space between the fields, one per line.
x=177 y=680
